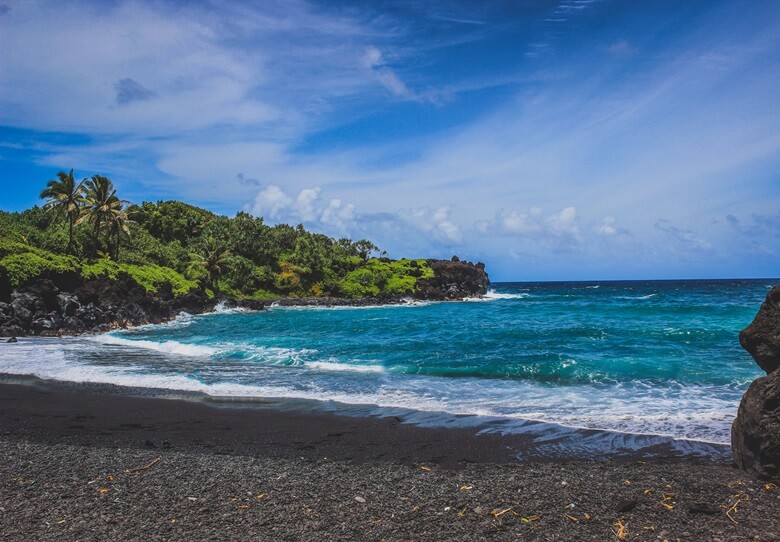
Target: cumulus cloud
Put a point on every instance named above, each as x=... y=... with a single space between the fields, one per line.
x=338 y=215
x=305 y=204
x=332 y=217
x=424 y=230
x=565 y=223
x=561 y=228
x=436 y=222
x=271 y=202
x=609 y=228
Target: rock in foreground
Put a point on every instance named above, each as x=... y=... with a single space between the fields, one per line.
x=762 y=337
x=755 y=434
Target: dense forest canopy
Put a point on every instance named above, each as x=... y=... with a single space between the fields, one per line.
x=85 y=227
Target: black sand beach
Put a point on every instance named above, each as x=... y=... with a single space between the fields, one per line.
x=84 y=464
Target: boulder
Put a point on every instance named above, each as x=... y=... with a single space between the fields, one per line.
x=755 y=434
x=68 y=303
x=47 y=324
x=23 y=305
x=90 y=317
x=12 y=330
x=762 y=337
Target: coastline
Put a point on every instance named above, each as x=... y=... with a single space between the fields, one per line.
x=200 y=468
x=56 y=304
x=119 y=416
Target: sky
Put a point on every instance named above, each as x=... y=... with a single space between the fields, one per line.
x=552 y=140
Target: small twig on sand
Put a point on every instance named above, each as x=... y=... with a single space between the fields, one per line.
x=741 y=497
x=148 y=466
x=499 y=513
x=621 y=531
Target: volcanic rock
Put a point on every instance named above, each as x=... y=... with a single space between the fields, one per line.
x=762 y=337
x=453 y=280
x=755 y=433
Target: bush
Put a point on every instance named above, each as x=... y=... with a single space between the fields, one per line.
x=385 y=277
x=287 y=280
x=149 y=276
x=24 y=267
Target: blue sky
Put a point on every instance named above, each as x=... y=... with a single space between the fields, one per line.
x=576 y=139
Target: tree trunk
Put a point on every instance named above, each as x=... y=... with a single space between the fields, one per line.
x=70 y=234
x=96 y=242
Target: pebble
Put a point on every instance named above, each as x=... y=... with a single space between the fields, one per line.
x=304 y=498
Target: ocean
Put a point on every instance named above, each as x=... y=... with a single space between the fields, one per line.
x=637 y=359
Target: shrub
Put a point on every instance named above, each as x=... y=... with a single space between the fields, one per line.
x=385 y=277
x=149 y=276
x=23 y=267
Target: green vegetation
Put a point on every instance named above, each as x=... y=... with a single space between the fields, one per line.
x=85 y=228
x=385 y=277
x=149 y=276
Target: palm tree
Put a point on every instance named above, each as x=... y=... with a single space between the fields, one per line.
x=213 y=258
x=65 y=196
x=118 y=226
x=100 y=204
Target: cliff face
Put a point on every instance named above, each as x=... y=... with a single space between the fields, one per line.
x=453 y=280
x=755 y=434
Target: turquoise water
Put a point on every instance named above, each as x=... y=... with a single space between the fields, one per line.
x=658 y=358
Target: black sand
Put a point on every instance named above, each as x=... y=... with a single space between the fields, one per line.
x=83 y=464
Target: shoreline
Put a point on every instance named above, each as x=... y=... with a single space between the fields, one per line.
x=214 y=306
x=84 y=460
x=403 y=435
x=116 y=417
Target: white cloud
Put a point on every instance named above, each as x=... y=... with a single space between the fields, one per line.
x=305 y=204
x=338 y=216
x=607 y=226
x=374 y=62
x=436 y=222
x=271 y=202
x=422 y=229
x=561 y=228
x=202 y=65
x=333 y=218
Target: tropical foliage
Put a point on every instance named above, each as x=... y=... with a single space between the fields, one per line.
x=85 y=227
x=64 y=196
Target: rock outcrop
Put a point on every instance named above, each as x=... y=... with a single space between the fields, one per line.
x=755 y=434
x=454 y=279
x=60 y=304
